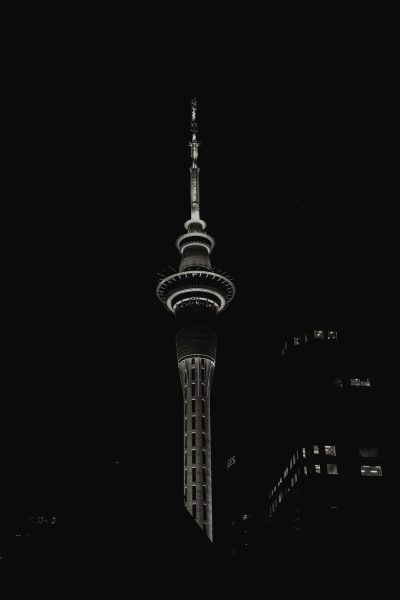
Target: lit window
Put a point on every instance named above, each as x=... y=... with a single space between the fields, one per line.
x=330 y=450
x=365 y=383
x=355 y=382
x=304 y=452
x=295 y=477
x=285 y=472
x=331 y=469
x=369 y=452
x=371 y=470
x=332 y=335
x=318 y=469
x=296 y=341
x=294 y=459
x=291 y=482
x=280 y=497
x=305 y=338
x=305 y=470
x=318 y=334
x=315 y=449
x=290 y=464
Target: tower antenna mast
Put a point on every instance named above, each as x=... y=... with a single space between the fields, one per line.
x=194 y=169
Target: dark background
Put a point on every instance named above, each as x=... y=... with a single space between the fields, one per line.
x=296 y=164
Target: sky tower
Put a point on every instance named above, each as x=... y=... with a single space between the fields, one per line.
x=195 y=295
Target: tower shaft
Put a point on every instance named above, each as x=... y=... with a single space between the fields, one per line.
x=196 y=351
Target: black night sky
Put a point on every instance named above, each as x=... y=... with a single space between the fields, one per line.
x=294 y=160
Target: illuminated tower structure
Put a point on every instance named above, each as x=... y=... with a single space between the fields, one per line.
x=195 y=294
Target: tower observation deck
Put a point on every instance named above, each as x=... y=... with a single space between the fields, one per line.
x=195 y=294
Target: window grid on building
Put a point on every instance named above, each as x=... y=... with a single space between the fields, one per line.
x=368 y=452
x=371 y=471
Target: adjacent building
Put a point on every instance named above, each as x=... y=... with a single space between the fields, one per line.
x=330 y=480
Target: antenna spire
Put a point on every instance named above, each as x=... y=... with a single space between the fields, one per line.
x=194 y=169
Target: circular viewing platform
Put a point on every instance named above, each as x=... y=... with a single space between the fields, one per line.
x=187 y=288
x=197 y=238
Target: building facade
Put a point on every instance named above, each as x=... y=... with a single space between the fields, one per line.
x=331 y=481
